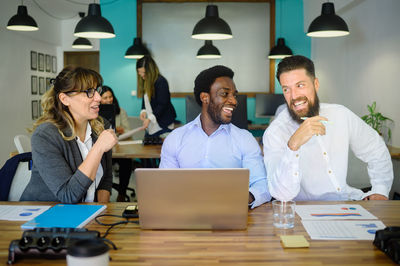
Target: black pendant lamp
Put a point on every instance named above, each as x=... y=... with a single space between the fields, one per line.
x=82 y=43
x=94 y=25
x=280 y=50
x=208 y=51
x=328 y=24
x=212 y=27
x=22 y=21
x=137 y=50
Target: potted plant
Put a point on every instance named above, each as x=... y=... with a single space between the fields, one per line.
x=376 y=120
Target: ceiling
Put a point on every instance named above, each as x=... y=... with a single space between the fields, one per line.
x=61 y=9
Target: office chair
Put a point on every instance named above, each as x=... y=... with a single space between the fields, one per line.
x=239 y=117
x=15 y=176
x=23 y=143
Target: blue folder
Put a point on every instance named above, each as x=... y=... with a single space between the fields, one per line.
x=65 y=215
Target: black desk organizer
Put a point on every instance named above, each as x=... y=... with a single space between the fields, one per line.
x=48 y=243
x=388 y=241
x=152 y=140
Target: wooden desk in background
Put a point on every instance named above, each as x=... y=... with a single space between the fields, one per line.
x=258 y=245
x=136 y=151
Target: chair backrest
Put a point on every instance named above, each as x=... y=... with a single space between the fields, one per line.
x=23 y=143
x=135 y=122
x=239 y=117
x=14 y=176
x=20 y=181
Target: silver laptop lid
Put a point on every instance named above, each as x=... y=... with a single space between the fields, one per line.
x=192 y=198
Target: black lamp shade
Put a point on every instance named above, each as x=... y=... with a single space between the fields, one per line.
x=328 y=24
x=212 y=27
x=82 y=43
x=94 y=25
x=208 y=51
x=22 y=21
x=137 y=50
x=280 y=50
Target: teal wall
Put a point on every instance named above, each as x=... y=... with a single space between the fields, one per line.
x=120 y=73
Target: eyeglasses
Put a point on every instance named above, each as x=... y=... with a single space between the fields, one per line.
x=91 y=91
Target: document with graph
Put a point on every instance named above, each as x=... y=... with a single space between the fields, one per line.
x=334 y=212
x=342 y=230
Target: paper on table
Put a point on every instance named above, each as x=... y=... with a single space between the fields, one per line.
x=21 y=212
x=129 y=133
x=342 y=230
x=334 y=212
x=127 y=142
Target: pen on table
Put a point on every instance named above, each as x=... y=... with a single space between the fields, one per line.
x=322 y=121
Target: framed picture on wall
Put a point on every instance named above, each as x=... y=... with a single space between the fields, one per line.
x=48 y=63
x=33 y=60
x=40 y=108
x=34 y=85
x=54 y=68
x=35 y=109
x=41 y=62
x=47 y=84
x=42 y=88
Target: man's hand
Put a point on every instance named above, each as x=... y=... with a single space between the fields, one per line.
x=103 y=195
x=375 y=197
x=310 y=127
x=251 y=198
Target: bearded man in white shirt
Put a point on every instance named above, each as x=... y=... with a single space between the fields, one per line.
x=306 y=147
x=211 y=140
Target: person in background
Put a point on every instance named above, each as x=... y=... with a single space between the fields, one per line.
x=306 y=146
x=158 y=113
x=121 y=117
x=211 y=140
x=71 y=150
x=121 y=126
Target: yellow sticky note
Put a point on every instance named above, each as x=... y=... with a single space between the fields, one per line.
x=294 y=241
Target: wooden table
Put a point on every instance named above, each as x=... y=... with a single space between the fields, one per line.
x=394 y=152
x=136 y=151
x=258 y=245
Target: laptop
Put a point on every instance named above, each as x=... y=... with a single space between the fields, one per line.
x=107 y=111
x=192 y=199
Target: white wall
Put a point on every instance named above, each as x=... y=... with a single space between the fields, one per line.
x=362 y=67
x=167 y=29
x=15 y=73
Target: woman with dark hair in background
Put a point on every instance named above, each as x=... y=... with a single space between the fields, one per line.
x=121 y=126
x=158 y=113
x=71 y=150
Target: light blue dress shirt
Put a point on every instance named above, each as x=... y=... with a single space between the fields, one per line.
x=228 y=147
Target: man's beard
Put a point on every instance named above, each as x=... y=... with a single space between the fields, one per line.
x=215 y=114
x=313 y=110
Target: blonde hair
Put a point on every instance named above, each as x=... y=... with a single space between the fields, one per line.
x=151 y=71
x=70 y=79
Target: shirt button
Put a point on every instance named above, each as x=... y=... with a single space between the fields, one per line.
x=338 y=189
x=324 y=153
x=296 y=173
x=329 y=172
x=297 y=155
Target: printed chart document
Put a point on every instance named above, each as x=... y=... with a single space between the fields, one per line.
x=342 y=230
x=129 y=133
x=334 y=212
x=21 y=212
x=339 y=222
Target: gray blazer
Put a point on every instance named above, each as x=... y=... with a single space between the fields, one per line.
x=55 y=174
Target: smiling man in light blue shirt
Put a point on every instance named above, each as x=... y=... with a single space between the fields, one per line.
x=211 y=140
